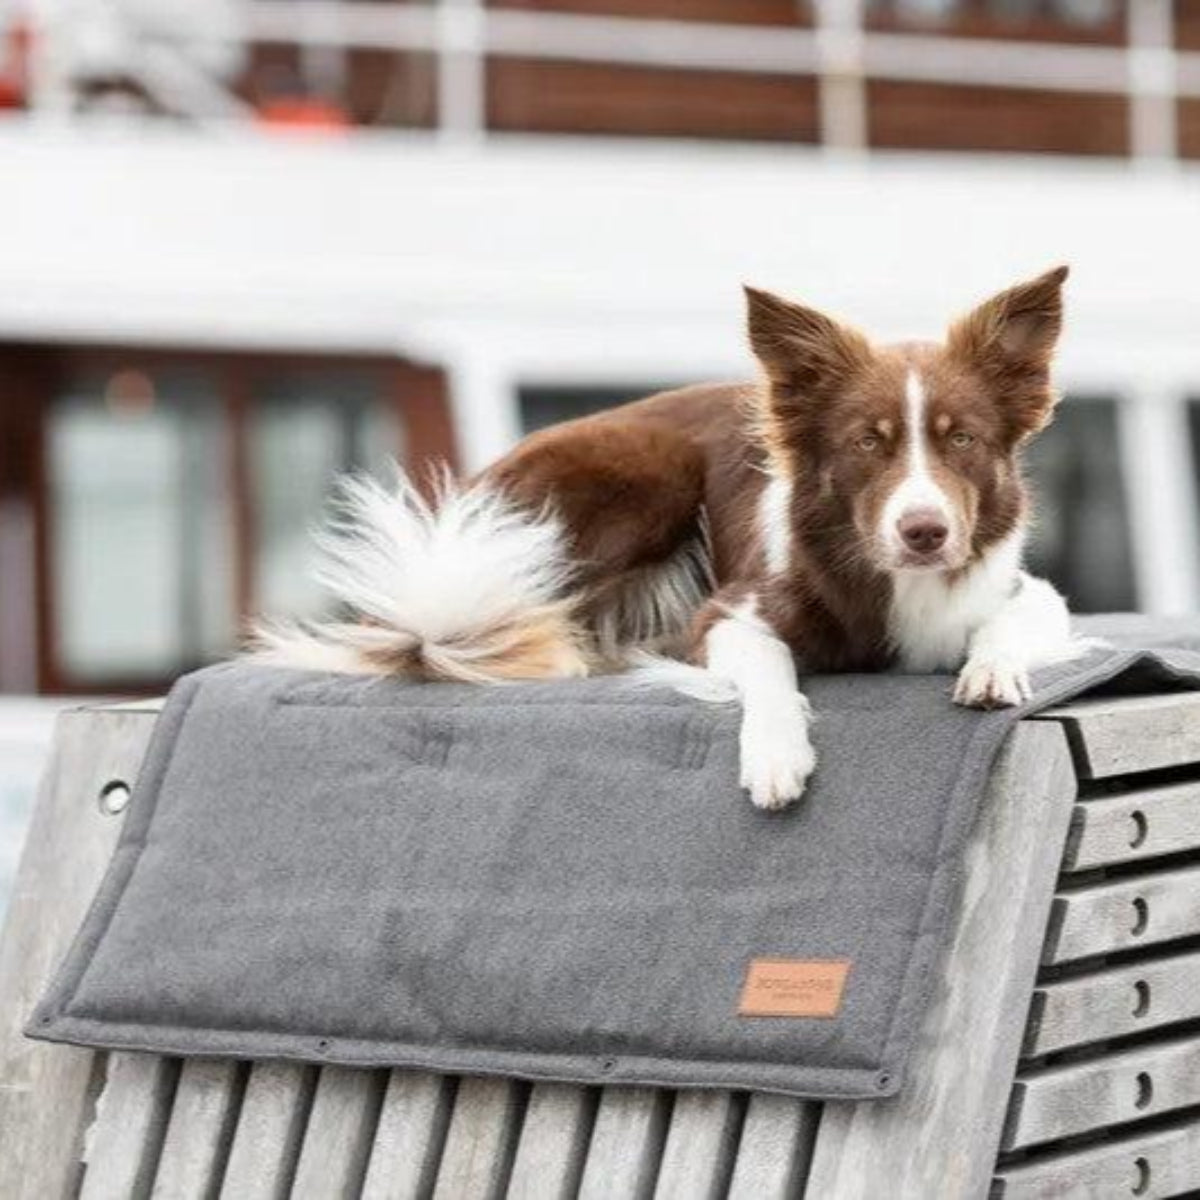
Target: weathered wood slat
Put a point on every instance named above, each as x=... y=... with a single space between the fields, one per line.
x=1163 y=1163
x=775 y=1148
x=554 y=1138
x=480 y=1141
x=1113 y=1003
x=199 y=1131
x=409 y=1136
x=341 y=1128
x=1123 y=915
x=1134 y=825
x=697 y=1160
x=123 y=1145
x=939 y=1136
x=1115 y=1089
x=1119 y=735
x=270 y=1127
x=45 y=1091
x=627 y=1144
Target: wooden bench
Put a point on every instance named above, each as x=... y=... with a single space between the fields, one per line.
x=1061 y=1056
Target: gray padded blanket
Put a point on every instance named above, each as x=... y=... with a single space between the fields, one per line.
x=557 y=881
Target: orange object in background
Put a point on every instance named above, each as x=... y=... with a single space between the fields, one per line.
x=303 y=112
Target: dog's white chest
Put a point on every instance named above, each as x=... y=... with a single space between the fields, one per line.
x=931 y=620
x=928 y=630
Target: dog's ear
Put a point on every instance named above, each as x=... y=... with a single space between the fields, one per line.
x=802 y=351
x=1010 y=339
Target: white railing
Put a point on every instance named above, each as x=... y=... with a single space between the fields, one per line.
x=837 y=50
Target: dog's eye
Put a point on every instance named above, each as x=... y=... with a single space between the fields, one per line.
x=869 y=442
x=960 y=439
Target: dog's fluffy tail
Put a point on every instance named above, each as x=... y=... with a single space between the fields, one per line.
x=465 y=587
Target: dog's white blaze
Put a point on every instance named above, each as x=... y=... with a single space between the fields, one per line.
x=774 y=523
x=914 y=411
x=917 y=489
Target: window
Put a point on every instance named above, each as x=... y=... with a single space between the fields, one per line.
x=1081 y=537
x=141 y=524
x=182 y=492
x=541 y=405
x=306 y=430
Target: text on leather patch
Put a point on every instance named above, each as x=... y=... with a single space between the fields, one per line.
x=793 y=987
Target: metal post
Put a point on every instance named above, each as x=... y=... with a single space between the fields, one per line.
x=461 y=70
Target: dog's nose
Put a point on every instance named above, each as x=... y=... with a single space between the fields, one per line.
x=923 y=530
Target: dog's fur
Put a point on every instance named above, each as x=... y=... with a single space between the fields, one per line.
x=860 y=507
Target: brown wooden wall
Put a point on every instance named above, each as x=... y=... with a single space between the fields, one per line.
x=563 y=97
x=585 y=98
x=733 y=12
x=931 y=116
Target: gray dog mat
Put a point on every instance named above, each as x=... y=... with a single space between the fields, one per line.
x=552 y=881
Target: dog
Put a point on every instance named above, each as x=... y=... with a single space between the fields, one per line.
x=860 y=507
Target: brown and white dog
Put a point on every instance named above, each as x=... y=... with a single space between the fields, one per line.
x=859 y=508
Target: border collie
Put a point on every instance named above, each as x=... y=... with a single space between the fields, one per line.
x=860 y=507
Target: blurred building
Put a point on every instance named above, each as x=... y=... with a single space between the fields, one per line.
x=247 y=245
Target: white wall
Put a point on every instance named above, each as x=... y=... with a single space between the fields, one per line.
x=558 y=260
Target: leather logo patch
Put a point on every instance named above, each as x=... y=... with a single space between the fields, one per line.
x=794 y=987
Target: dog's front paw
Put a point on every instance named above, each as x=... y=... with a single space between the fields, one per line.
x=992 y=683
x=777 y=756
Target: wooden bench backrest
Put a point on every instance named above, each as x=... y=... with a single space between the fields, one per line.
x=1025 y=1051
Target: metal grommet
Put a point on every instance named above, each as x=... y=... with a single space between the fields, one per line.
x=114 y=797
